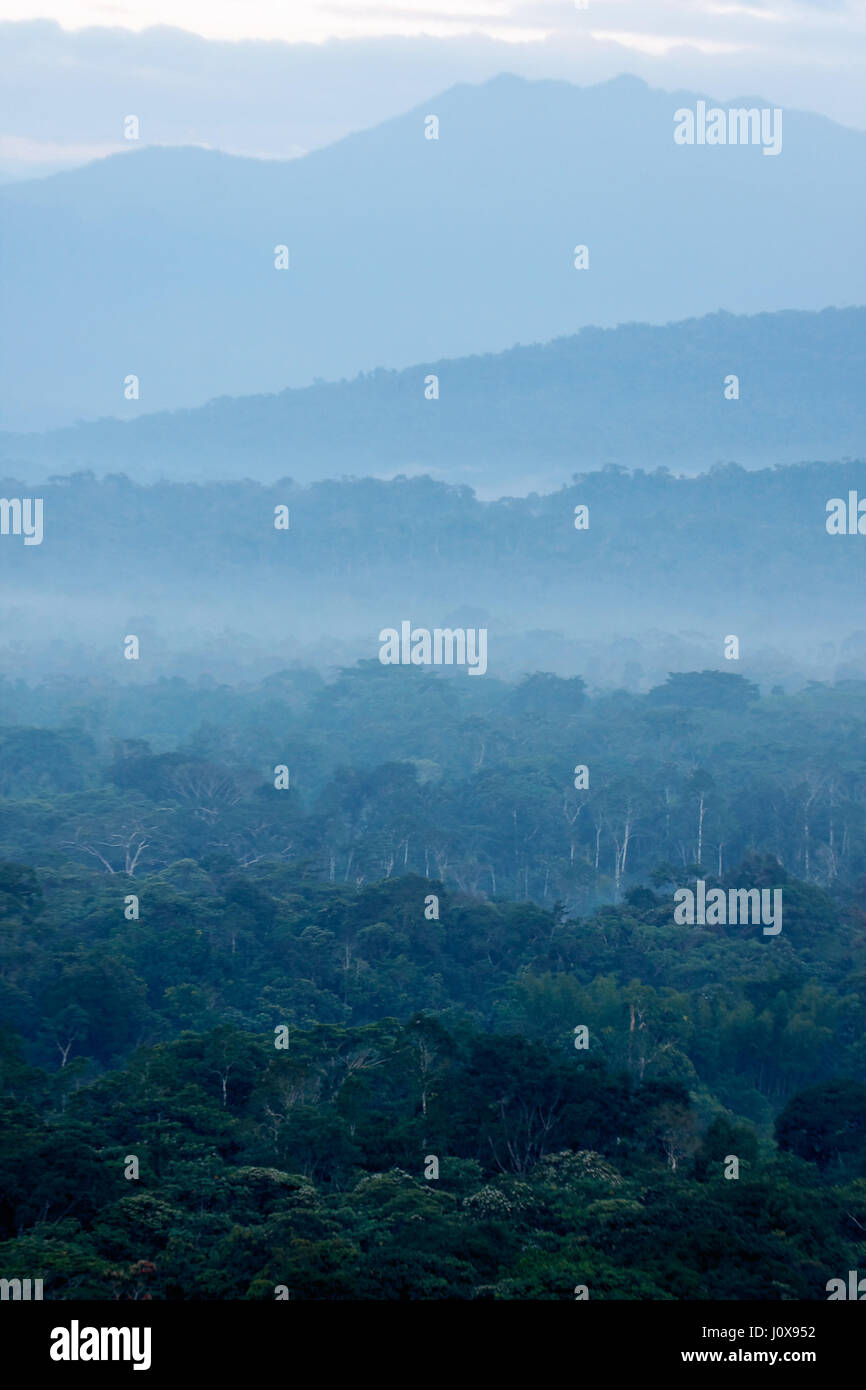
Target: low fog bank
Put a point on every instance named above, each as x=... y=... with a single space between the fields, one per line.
x=620 y=577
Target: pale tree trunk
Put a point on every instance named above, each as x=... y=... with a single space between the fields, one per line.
x=621 y=855
x=224 y=1083
x=701 y=830
x=635 y=1029
x=806 y=839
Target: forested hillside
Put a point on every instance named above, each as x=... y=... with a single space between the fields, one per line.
x=284 y=1005
x=432 y=684
x=406 y=771
x=636 y=396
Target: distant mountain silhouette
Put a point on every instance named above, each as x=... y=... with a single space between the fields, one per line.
x=160 y=262
x=636 y=396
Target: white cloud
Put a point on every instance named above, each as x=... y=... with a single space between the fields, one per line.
x=658 y=45
x=67 y=89
x=19 y=149
x=298 y=21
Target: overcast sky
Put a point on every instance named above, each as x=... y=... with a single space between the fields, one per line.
x=275 y=78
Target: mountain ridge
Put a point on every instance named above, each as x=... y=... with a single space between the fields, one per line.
x=637 y=395
x=160 y=263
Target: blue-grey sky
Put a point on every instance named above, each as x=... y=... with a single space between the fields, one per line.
x=275 y=78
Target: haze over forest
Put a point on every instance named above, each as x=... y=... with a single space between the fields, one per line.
x=666 y=569
x=286 y=923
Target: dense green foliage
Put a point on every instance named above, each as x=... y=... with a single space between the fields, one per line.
x=409 y=1036
x=305 y=1170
